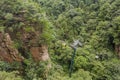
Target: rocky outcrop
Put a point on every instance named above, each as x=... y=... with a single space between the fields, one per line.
x=31 y=43
x=117 y=50
x=39 y=53
x=7 y=51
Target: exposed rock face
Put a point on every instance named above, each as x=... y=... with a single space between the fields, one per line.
x=117 y=49
x=31 y=43
x=39 y=53
x=7 y=51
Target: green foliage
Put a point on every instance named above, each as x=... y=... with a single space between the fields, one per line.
x=81 y=75
x=62 y=52
x=19 y=14
x=96 y=23
x=9 y=76
x=8 y=16
x=56 y=73
x=29 y=29
x=4 y=66
x=9 y=71
x=2 y=29
x=34 y=70
x=112 y=69
x=80 y=62
x=48 y=33
x=98 y=71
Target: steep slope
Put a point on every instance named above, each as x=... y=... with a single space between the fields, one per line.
x=25 y=22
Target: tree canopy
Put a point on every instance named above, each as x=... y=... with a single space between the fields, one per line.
x=57 y=23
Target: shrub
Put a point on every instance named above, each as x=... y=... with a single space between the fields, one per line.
x=9 y=75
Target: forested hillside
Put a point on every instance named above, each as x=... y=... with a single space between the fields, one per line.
x=59 y=39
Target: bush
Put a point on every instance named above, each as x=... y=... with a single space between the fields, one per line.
x=33 y=70
x=9 y=76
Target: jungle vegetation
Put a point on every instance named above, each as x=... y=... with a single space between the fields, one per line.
x=95 y=23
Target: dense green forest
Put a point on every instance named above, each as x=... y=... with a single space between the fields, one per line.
x=34 y=24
